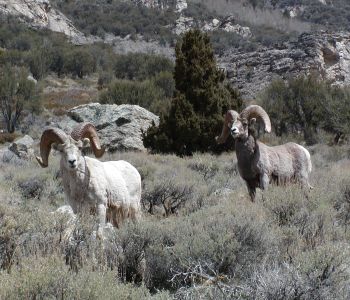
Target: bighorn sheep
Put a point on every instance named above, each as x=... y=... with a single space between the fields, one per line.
x=259 y=164
x=111 y=188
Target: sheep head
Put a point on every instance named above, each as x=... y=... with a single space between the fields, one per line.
x=69 y=146
x=238 y=124
x=230 y=118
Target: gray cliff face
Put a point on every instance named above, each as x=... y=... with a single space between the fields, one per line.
x=324 y=53
x=39 y=14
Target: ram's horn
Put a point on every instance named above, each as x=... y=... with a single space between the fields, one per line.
x=256 y=111
x=230 y=117
x=87 y=130
x=49 y=136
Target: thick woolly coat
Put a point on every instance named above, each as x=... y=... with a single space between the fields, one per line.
x=116 y=185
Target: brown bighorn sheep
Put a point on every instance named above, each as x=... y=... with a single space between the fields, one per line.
x=259 y=164
x=112 y=188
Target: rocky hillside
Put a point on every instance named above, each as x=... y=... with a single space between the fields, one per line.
x=40 y=14
x=326 y=53
x=256 y=41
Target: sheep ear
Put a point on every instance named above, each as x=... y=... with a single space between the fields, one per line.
x=252 y=121
x=58 y=147
x=86 y=142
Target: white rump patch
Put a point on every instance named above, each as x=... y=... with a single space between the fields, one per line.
x=308 y=156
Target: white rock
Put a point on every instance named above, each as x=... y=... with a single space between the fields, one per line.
x=183 y=24
x=180 y=5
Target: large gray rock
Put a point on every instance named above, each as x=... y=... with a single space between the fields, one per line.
x=19 y=152
x=23 y=147
x=119 y=127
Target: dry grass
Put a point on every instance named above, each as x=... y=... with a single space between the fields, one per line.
x=215 y=240
x=7 y=137
x=61 y=94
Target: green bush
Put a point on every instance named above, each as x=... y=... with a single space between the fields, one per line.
x=139 y=66
x=16 y=93
x=79 y=62
x=50 y=278
x=165 y=81
x=307 y=104
x=145 y=93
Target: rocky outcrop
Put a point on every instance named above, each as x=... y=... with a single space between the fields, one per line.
x=293 y=11
x=228 y=24
x=23 y=147
x=324 y=53
x=40 y=14
x=178 y=5
x=18 y=152
x=183 y=24
x=119 y=127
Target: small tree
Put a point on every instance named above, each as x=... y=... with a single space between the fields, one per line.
x=16 y=93
x=79 y=62
x=200 y=100
x=40 y=59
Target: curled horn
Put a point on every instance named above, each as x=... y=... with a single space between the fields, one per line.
x=230 y=118
x=256 y=111
x=49 y=136
x=87 y=130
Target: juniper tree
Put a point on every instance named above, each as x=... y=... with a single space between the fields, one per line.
x=200 y=100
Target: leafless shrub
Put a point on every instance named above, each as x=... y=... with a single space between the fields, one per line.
x=168 y=194
x=317 y=274
x=208 y=169
x=204 y=281
x=276 y=282
x=31 y=188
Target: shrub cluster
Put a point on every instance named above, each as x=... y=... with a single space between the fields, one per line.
x=120 y=18
x=142 y=79
x=282 y=246
x=307 y=104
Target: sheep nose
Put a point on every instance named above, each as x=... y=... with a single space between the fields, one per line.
x=234 y=130
x=72 y=161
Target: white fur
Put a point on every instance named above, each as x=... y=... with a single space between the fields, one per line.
x=307 y=153
x=112 y=188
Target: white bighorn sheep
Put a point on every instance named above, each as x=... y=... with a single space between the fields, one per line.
x=259 y=164
x=112 y=188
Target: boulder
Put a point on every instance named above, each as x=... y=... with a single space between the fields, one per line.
x=23 y=147
x=180 y=5
x=119 y=127
x=183 y=24
x=229 y=24
x=9 y=157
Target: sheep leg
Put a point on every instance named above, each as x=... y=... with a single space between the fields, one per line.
x=101 y=214
x=251 y=191
x=264 y=181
